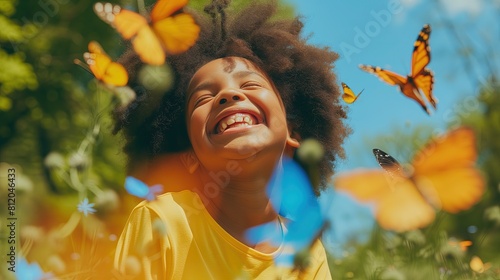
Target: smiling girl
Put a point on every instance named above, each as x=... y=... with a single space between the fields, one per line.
x=244 y=97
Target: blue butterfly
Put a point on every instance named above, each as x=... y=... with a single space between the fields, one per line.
x=27 y=270
x=291 y=193
x=137 y=188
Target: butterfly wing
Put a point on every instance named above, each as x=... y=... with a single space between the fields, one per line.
x=290 y=191
x=406 y=86
x=411 y=91
x=95 y=47
x=421 y=51
x=115 y=74
x=177 y=33
x=445 y=173
x=425 y=82
x=136 y=187
x=366 y=185
x=144 y=40
x=153 y=192
x=477 y=265
x=388 y=163
x=398 y=204
x=349 y=96
x=423 y=77
x=165 y=8
x=404 y=208
x=126 y=22
x=133 y=26
x=97 y=60
x=385 y=75
x=148 y=47
x=103 y=68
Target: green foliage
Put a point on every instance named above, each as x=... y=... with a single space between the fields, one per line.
x=485 y=119
x=15 y=73
x=419 y=254
x=286 y=9
x=46 y=91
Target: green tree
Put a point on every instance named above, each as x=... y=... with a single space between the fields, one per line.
x=15 y=73
x=53 y=109
x=484 y=117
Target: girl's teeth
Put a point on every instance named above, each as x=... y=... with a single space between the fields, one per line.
x=239 y=120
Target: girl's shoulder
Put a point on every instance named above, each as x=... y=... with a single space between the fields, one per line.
x=172 y=206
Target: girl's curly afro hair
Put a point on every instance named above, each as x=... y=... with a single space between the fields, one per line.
x=302 y=73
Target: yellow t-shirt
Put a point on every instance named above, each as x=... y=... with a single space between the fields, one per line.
x=174 y=237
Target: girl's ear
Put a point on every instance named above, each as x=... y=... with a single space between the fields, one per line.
x=292 y=143
x=190 y=161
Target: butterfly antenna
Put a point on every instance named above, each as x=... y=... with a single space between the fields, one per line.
x=360 y=93
x=216 y=9
x=210 y=10
x=221 y=9
x=83 y=65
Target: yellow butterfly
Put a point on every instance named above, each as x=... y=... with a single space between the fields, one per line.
x=103 y=68
x=441 y=176
x=477 y=265
x=349 y=96
x=168 y=32
x=419 y=83
x=109 y=73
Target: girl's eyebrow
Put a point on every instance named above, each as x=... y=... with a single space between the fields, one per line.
x=242 y=74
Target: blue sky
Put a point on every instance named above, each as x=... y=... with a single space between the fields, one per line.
x=381 y=107
x=390 y=29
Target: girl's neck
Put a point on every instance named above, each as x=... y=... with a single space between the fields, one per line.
x=237 y=205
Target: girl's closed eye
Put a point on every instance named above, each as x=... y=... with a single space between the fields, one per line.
x=202 y=99
x=251 y=85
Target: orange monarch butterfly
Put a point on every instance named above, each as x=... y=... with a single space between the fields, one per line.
x=103 y=68
x=420 y=82
x=441 y=176
x=169 y=31
x=349 y=96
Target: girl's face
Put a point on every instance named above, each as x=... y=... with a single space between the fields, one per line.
x=234 y=112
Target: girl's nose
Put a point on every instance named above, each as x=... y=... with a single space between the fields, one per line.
x=229 y=95
x=224 y=100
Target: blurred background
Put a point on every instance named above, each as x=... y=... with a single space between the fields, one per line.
x=55 y=130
